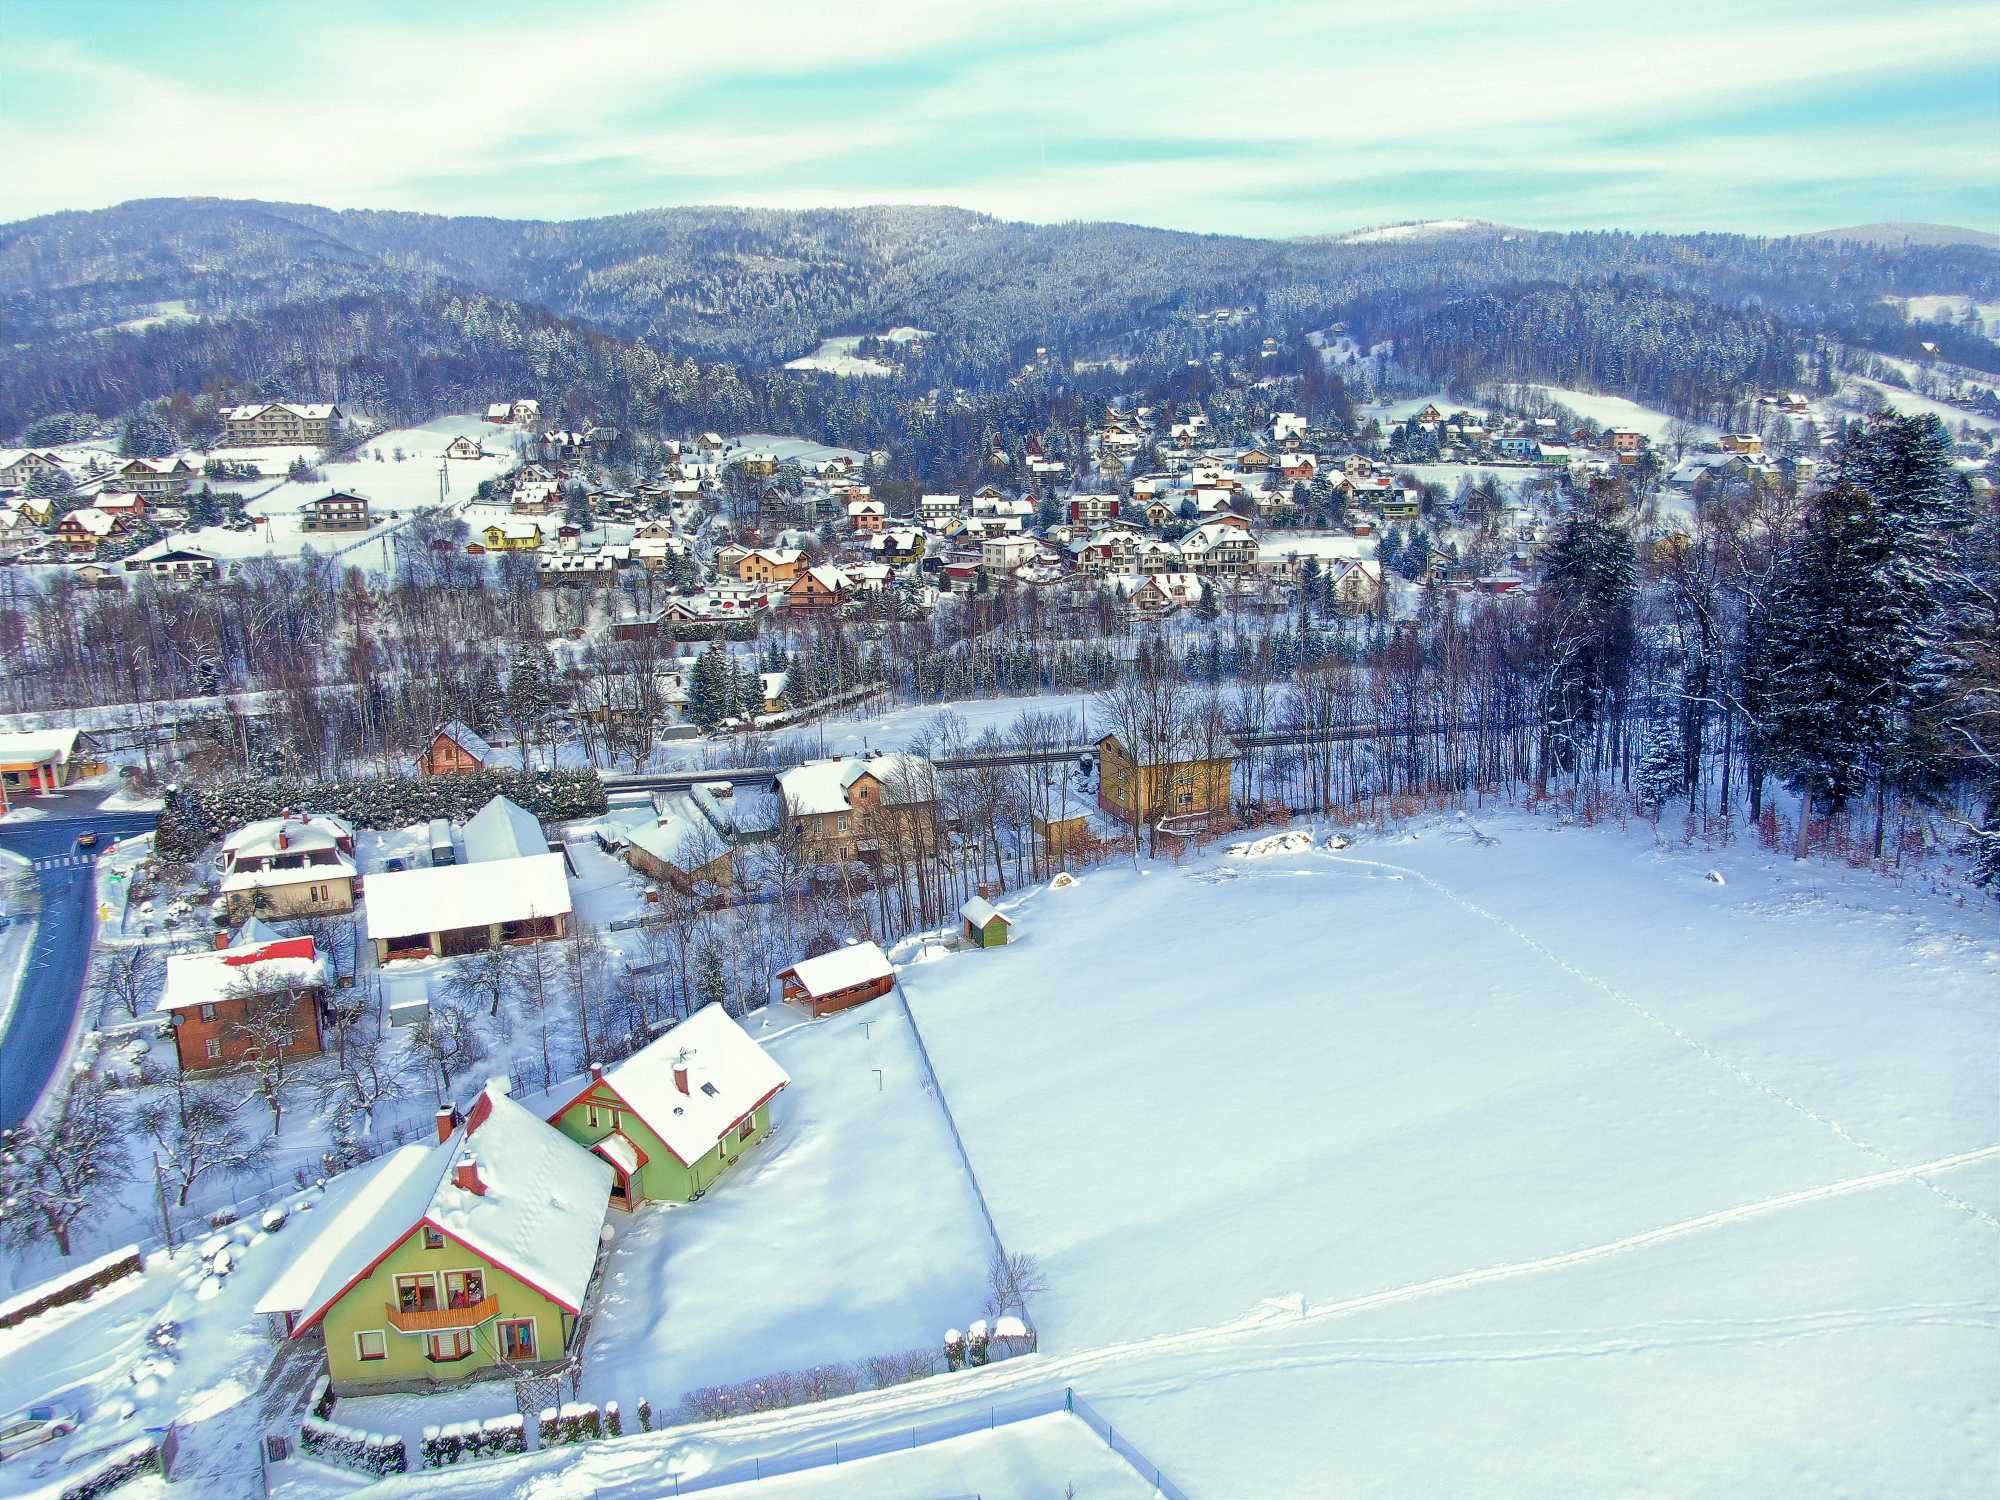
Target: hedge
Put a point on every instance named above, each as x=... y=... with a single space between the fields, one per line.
x=351 y=1448
x=195 y=817
x=464 y=1442
x=143 y=1458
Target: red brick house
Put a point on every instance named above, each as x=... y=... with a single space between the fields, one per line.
x=834 y=981
x=227 y=1006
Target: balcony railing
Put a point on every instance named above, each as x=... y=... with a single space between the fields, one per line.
x=443 y=1319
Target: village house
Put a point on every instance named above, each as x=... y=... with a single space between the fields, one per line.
x=839 y=980
x=512 y=536
x=1741 y=442
x=769 y=565
x=127 y=505
x=1003 y=554
x=157 y=478
x=678 y=845
x=294 y=865
x=677 y=1114
x=18 y=466
x=281 y=424
x=86 y=529
x=1358 y=586
x=1153 y=596
x=1093 y=510
x=867 y=515
x=471 y=1257
x=1627 y=440
x=39 y=761
x=849 y=808
x=464 y=447
x=443 y=911
x=817 y=588
x=174 y=565
x=261 y=991
x=455 y=750
x=1219 y=547
x=1174 y=783
x=339 y=510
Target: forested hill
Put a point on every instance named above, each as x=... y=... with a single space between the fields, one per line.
x=98 y=307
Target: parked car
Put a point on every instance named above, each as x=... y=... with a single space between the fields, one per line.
x=390 y=866
x=87 y=840
x=32 y=1426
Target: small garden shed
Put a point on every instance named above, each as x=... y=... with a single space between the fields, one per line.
x=984 y=924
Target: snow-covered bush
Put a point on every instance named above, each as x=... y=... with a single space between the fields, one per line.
x=351 y=1448
x=323 y=1399
x=713 y=1403
x=954 y=1349
x=645 y=1415
x=614 y=1425
x=899 y=1369
x=572 y=1422
x=138 y=1457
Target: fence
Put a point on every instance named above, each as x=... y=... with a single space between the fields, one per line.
x=1123 y=1447
x=897 y=1440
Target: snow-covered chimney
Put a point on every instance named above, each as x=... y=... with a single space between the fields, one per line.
x=447 y=1122
x=681 y=1073
x=597 y=1070
x=466 y=1175
x=284 y=839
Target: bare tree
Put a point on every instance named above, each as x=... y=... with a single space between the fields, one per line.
x=267 y=1032
x=193 y=1123
x=53 y=1174
x=358 y=1078
x=128 y=977
x=1010 y=1281
x=447 y=1042
x=484 y=975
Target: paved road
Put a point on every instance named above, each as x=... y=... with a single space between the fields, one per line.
x=45 y=1010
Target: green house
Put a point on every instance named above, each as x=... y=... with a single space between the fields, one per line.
x=678 y=1113
x=985 y=926
x=439 y=1263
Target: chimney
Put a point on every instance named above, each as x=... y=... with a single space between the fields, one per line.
x=597 y=1070
x=466 y=1175
x=284 y=839
x=222 y=940
x=681 y=1073
x=447 y=1122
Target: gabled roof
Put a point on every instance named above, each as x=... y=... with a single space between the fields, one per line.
x=447 y=897
x=979 y=912
x=729 y=1075
x=820 y=786
x=503 y=829
x=539 y=1218
x=279 y=963
x=466 y=739
x=857 y=963
x=295 y=833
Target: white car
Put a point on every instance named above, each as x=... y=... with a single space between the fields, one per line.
x=30 y=1428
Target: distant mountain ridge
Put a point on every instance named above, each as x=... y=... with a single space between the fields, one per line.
x=1896 y=234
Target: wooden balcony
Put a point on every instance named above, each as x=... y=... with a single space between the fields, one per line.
x=442 y=1319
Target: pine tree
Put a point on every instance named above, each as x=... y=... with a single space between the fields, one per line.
x=1662 y=764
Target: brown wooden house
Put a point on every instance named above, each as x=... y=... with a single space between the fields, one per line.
x=840 y=979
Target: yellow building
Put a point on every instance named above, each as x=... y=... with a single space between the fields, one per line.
x=1171 y=787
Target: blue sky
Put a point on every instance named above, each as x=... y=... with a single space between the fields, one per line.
x=1252 y=118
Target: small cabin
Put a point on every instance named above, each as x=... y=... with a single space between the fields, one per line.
x=983 y=924
x=834 y=981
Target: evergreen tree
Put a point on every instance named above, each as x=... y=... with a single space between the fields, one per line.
x=1662 y=772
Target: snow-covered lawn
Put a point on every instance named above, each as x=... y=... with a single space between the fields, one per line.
x=1444 y=1128
x=851 y=1231
x=1864 y=394
x=836 y=356
x=1615 y=411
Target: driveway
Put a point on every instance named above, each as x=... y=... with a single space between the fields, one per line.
x=45 y=1011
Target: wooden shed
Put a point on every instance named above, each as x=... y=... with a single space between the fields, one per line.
x=985 y=926
x=834 y=981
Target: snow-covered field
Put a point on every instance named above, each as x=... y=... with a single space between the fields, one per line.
x=836 y=356
x=1867 y=394
x=1616 y=411
x=1948 y=308
x=1495 y=1130
x=1389 y=413
x=790 y=449
x=1422 y=229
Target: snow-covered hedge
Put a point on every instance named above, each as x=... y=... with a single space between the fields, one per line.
x=713 y=1403
x=351 y=1448
x=138 y=1457
x=196 y=816
x=323 y=1399
x=572 y=1422
x=462 y=1442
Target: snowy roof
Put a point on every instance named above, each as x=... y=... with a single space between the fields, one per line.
x=378 y=1205
x=540 y=1215
x=829 y=578
x=311 y=409
x=820 y=786
x=544 y=1202
x=262 y=967
x=676 y=835
x=297 y=833
x=841 y=969
x=466 y=740
x=979 y=911
x=728 y=1076
x=503 y=829
x=445 y=897
x=39 y=745
x=91 y=519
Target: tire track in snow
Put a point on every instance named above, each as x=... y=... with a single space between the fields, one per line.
x=1692 y=1043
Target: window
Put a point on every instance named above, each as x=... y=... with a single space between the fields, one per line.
x=208 y=1012
x=417 y=1293
x=433 y=1238
x=517 y=1338
x=371 y=1345
x=445 y=1348
x=842 y=825
x=749 y=1129
x=464 y=1288
x=214 y=1051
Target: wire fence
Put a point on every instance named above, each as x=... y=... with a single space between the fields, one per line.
x=1149 y=1471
